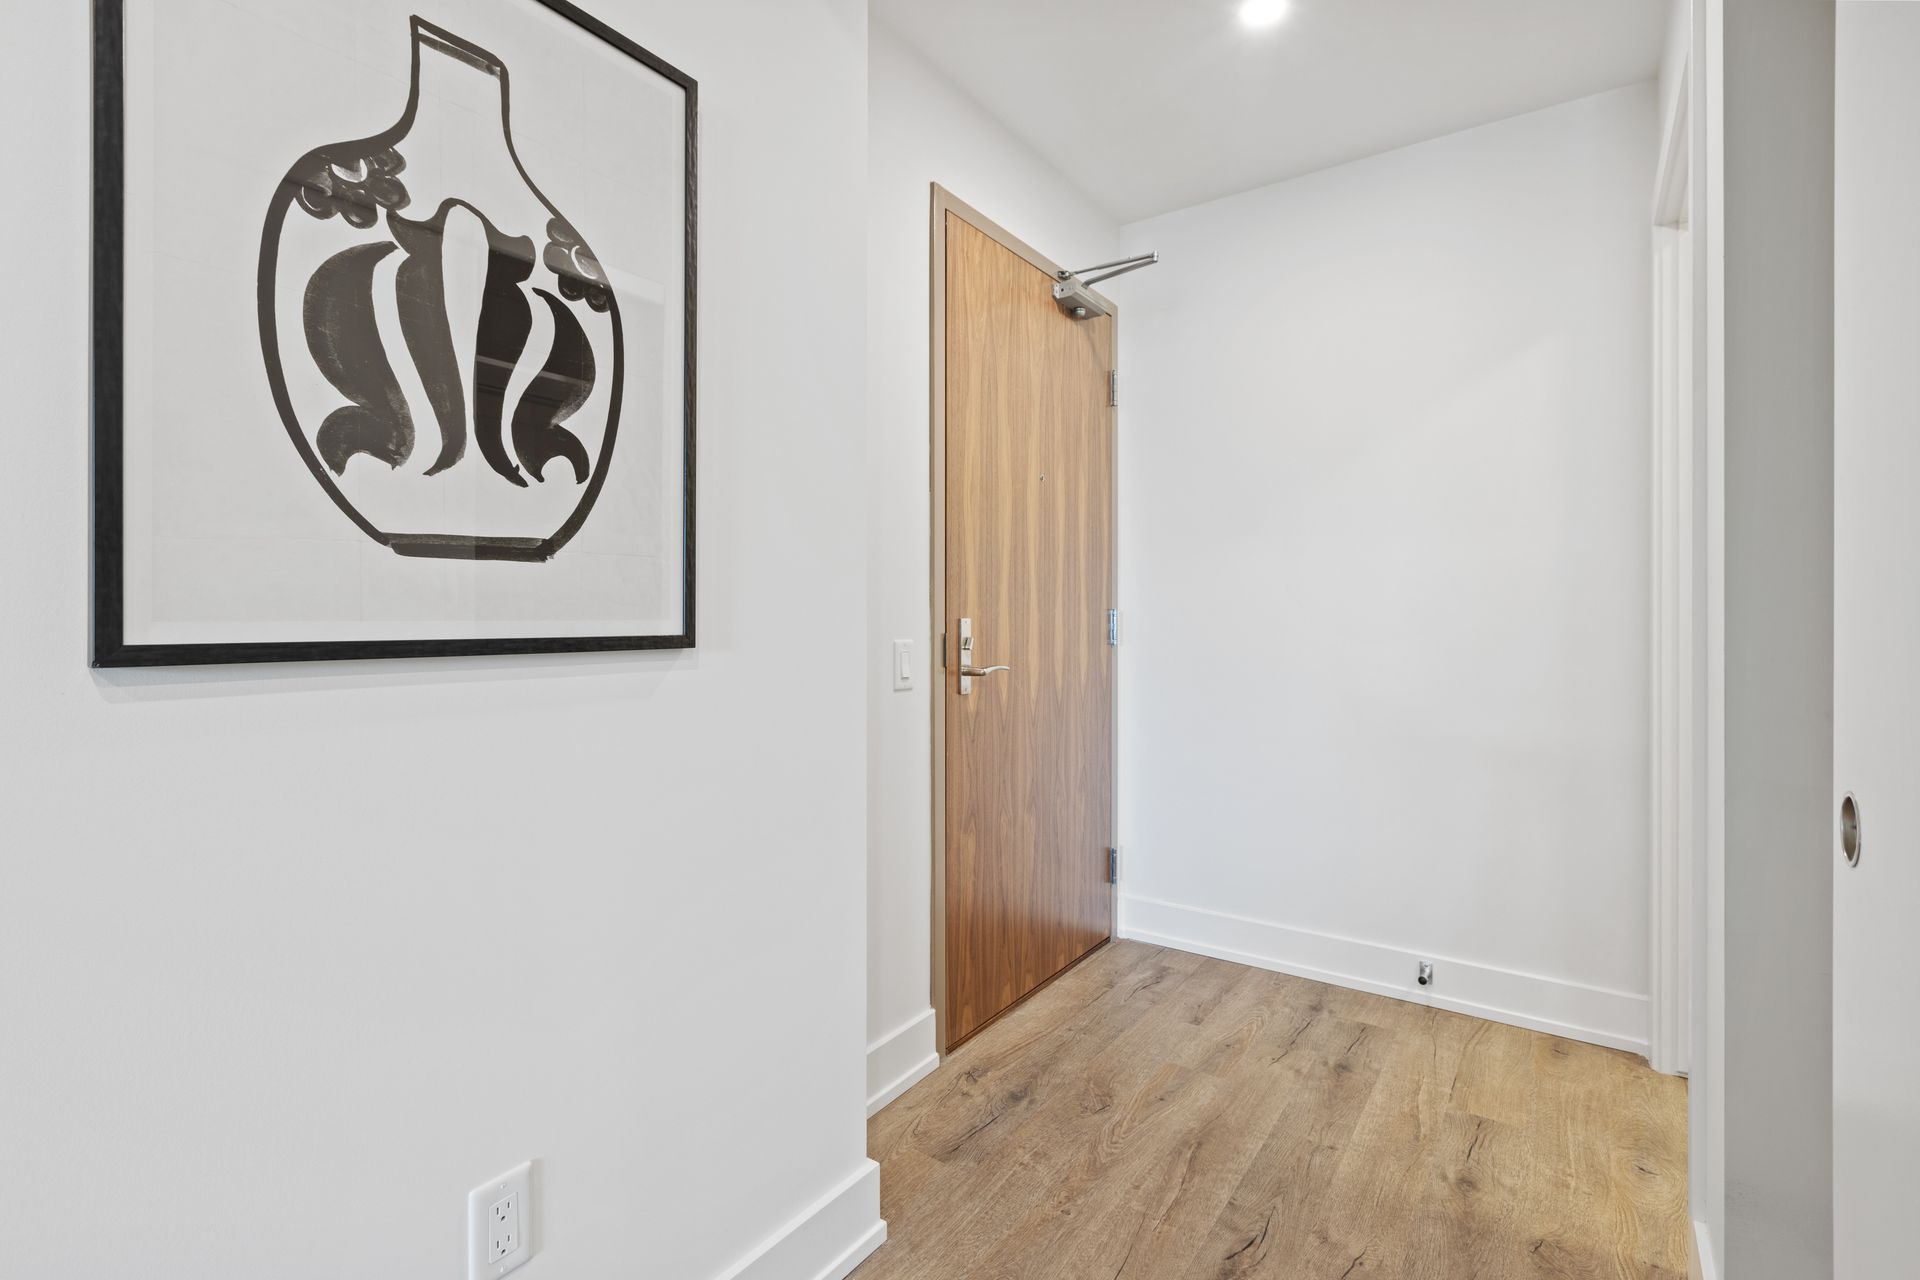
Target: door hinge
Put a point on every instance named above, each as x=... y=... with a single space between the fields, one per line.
x=1113 y=866
x=1113 y=626
x=943 y=651
x=1113 y=388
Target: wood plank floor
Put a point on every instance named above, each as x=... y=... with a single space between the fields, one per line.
x=1155 y=1115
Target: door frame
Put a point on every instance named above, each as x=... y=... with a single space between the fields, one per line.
x=942 y=203
x=1679 y=666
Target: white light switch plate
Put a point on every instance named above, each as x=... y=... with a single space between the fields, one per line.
x=906 y=672
x=500 y=1224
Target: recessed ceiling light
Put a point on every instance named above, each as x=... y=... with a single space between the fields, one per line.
x=1257 y=14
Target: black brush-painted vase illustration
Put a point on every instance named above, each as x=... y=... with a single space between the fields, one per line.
x=444 y=348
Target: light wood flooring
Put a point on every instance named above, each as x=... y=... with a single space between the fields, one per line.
x=1155 y=1115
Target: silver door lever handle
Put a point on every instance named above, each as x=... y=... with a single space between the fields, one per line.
x=968 y=672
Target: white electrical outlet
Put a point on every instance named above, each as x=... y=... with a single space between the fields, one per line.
x=503 y=1227
x=500 y=1224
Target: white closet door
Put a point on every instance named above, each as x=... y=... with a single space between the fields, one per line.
x=1876 y=948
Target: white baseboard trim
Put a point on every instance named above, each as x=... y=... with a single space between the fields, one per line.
x=827 y=1241
x=1700 y=1253
x=899 y=1060
x=1596 y=1015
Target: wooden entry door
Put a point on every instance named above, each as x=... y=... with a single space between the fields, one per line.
x=1028 y=564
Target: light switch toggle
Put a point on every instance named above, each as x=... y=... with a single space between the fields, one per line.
x=905 y=674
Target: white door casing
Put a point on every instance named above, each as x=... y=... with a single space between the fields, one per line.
x=1677 y=636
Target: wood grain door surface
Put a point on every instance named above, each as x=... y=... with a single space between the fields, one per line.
x=1029 y=559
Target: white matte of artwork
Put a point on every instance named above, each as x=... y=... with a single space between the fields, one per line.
x=405 y=327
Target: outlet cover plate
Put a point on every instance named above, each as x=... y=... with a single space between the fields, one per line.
x=500 y=1224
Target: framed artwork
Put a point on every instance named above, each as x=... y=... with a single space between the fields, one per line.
x=393 y=332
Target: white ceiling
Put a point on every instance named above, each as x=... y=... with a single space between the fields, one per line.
x=1152 y=105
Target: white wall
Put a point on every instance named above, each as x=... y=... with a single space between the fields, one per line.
x=1384 y=571
x=1674 y=53
x=248 y=984
x=923 y=130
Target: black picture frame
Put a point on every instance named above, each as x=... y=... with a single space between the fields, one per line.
x=109 y=648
